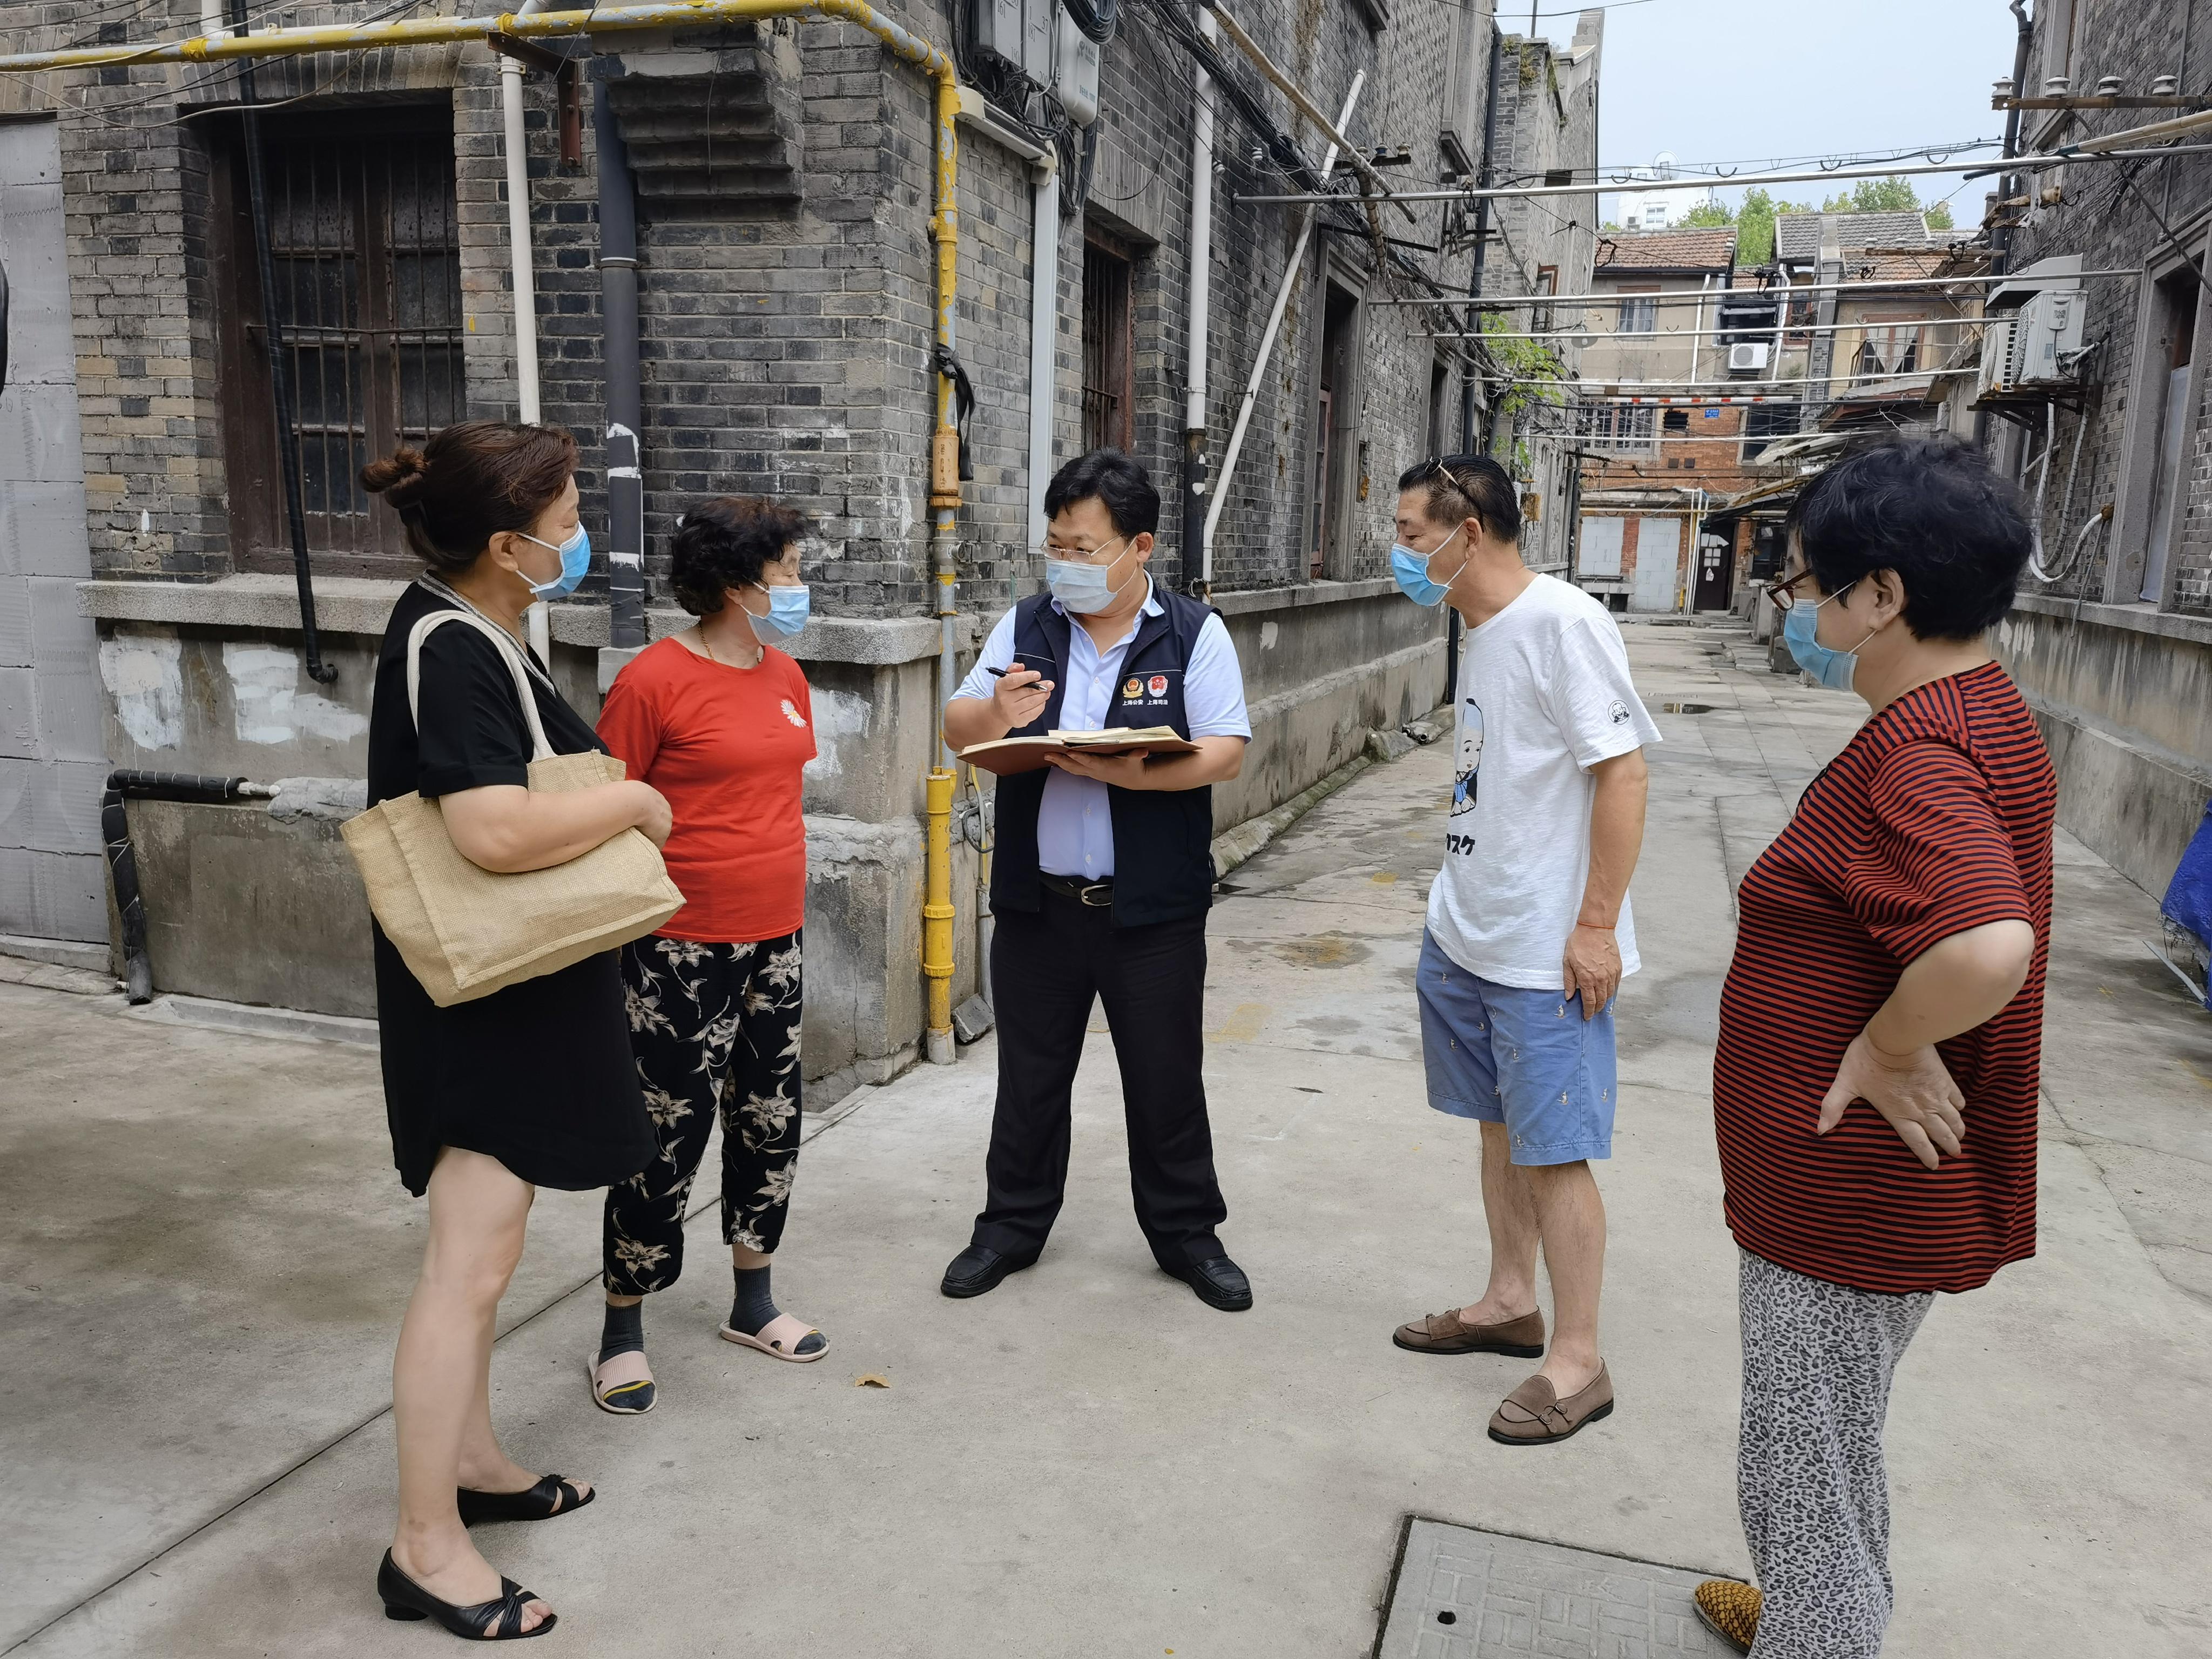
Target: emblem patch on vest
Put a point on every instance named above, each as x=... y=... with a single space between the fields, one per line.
x=1157 y=685
x=1135 y=688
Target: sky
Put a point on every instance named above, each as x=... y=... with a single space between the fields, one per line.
x=1743 y=81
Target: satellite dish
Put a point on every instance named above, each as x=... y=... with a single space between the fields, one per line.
x=1663 y=166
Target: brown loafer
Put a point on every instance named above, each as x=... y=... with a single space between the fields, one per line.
x=1447 y=1332
x=1534 y=1414
x=1730 y=1610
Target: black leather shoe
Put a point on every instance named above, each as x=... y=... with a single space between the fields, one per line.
x=979 y=1268
x=1219 y=1282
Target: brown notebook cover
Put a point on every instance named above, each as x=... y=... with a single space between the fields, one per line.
x=1010 y=755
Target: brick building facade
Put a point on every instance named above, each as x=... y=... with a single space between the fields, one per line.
x=785 y=173
x=2116 y=652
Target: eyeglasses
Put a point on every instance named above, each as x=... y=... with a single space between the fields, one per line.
x=1783 y=593
x=1437 y=469
x=1105 y=555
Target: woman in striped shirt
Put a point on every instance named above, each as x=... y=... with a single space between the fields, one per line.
x=1875 y=1085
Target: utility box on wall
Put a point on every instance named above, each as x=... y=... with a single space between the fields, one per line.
x=1019 y=34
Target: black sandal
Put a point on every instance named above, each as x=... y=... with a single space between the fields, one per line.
x=405 y=1599
x=554 y=1494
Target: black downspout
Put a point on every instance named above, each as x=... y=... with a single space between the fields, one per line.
x=280 y=368
x=2001 y=233
x=1483 y=178
x=618 y=353
x=126 y=784
x=1474 y=292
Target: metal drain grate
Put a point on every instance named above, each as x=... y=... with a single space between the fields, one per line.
x=1463 y=1593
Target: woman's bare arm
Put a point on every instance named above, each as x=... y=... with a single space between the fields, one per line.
x=507 y=829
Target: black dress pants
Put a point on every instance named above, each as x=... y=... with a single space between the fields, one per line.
x=1046 y=966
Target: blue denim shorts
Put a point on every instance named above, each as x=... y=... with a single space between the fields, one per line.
x=1525 y=1058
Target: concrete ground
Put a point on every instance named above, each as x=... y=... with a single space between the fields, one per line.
x=203 y=1255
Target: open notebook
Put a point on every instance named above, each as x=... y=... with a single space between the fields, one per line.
x=1012 y=755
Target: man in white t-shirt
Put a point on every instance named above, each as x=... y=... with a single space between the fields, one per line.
x=1528 y=931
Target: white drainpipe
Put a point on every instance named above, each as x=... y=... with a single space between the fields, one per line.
x=537 y=619
x=1044 y=331
x=1202 y=277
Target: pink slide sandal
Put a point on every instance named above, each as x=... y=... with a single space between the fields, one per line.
x=780 y=1338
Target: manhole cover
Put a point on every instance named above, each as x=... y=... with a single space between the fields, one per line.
x=1463 y=1593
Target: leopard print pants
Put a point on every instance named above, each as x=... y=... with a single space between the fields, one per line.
x=1817 y=1362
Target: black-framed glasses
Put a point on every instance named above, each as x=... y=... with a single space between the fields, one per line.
x=1783 y=593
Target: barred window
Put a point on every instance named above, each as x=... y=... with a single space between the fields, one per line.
x=365 y=241
x=1109 y=349
x=1627 y=427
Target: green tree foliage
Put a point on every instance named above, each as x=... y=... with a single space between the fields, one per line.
x=1890 y=195
x=1521 y=362
x=1754 y=242
x=1708 y=216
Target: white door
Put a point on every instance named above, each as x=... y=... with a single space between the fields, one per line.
x=1599 y=552
x=52 y=760
x=1658 y=564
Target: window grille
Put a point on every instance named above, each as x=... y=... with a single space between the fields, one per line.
x=1627 y=427
x=365 y=242
x=1107 y=327
x=1639 y=313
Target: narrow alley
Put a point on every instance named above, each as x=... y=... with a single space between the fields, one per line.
x=206 y=1255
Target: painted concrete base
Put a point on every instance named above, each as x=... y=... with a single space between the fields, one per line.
x=209 y=1253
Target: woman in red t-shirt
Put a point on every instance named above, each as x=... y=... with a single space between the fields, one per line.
x=719 y=721
x=1874 y=1083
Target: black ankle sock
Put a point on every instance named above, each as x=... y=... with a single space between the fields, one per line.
x=623 y=1331
x=753 y=1307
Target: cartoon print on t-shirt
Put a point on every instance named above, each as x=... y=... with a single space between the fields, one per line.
x=791 y=713
x=1465 y=777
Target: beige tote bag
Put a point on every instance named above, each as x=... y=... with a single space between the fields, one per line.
x=464 y=931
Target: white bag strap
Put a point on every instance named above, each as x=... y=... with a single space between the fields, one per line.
x=540 y=748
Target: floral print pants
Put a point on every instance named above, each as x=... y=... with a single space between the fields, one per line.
x=1817 y=1362
x=715 y=1029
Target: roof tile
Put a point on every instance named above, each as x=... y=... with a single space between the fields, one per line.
x=1797 y=235
x=1666 y=250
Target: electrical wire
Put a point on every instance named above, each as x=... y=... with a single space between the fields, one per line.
x=105 y=111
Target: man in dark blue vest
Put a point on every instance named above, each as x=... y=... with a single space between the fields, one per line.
x=1101 y=877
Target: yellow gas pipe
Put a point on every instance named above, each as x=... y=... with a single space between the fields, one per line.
x=937 y=909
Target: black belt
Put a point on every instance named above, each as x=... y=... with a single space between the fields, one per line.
x=1097 y=895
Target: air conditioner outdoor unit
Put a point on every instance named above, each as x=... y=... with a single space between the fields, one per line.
x=2047 y=337
x=1997 y=356
x=1747 y=356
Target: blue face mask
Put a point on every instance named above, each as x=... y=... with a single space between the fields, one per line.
x=1412 y=571
x=787 y=610
x=575 y=559
x=1800 y=625
x=1082 y=589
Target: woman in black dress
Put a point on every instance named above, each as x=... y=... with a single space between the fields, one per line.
x=532 y=1086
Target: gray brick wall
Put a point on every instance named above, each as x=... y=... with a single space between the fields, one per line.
x=786 y=349
x=2110 y=227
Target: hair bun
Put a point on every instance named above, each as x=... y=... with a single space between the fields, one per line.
x=402 y=466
